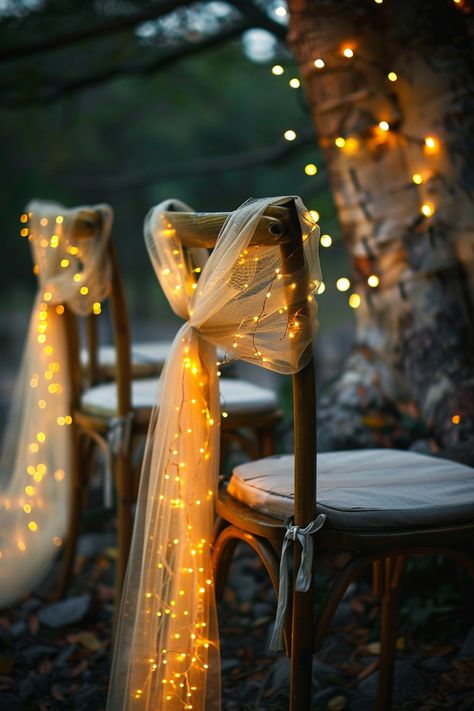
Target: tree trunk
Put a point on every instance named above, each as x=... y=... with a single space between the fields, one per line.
x=413 y=360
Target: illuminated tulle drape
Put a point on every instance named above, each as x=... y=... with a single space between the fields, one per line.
x=35 y=464
x=166 y=653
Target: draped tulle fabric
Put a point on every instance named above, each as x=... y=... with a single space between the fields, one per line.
x=167 y=650
x=35 y=464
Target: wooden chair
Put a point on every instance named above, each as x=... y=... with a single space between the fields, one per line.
x=112 y=414
x=380 y=505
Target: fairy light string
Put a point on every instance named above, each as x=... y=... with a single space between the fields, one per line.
x=36 y=457
x=167 y=653
x=384 y=130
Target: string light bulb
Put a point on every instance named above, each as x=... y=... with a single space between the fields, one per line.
x=431 y=144
x=340 y=142
x=373 y=280
x=277 y=70
x=289 y=135
x=310 y=169
x=384 y=126
x=427 y=209
x=392 y=76
x=354 y=301
x=319 y=63
x=343 y=284
x=417 y=178
x=348 y=52
x=326 y=240
x=295 y=83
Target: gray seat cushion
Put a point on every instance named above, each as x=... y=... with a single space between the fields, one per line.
x=238 y=397
x=365 y=489
x=148 y=358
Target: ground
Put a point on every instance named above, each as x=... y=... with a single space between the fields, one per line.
x=56 y=655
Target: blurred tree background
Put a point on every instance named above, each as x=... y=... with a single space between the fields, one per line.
x=99 y=104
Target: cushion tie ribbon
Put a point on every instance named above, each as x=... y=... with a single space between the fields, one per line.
x=303 y=579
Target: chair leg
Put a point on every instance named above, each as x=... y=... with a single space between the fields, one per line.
x=124 y=485
x=301 y=659
x=79 y=475
x=266 y=440
x=394 y=568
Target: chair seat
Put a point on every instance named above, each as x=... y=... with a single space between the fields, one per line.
x=148 y=359
x=238 y=397
x=364 y=489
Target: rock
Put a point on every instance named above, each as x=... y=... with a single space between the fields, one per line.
x=9 y=701
x=32 y=654
x=343 y=615
x=85 y=697
x=335 y=649
x=325 y=675
x=66 y=612
x=436 y=664
x=40 y=684
x=467 y=649
x=63 y=658
x=18 y=629
x=333 y=699
x=407 y=683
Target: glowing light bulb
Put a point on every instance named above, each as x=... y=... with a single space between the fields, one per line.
x=24 y=217
x=354 y=301
x=348 y=52
x=314 y=215
x=431 y=144
x=417 y=178
x=321 y=288
x=392 y=76
x=343 y=284
x=326 y=240
x=427 y=209
x=319 y=63
x=280 y=11
x=373 y=280
x=289 y=135
x=310 y=169
x=340 y=142
x=295 y=83
x=277 y=70
x=384 y=125
x=456 y=419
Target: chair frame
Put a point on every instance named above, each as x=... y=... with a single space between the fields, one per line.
x=385 y=550
x=89 y=430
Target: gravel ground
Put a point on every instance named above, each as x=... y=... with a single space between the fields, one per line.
x=56 y=655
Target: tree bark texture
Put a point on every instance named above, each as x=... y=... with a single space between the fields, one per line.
x=411 y=374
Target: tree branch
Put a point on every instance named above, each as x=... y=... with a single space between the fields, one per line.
x=112 y=26
x=137 y=70
x=199 y=166
x=124 y=22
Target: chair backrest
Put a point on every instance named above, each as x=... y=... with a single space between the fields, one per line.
x=279 y=226
x=85 y=341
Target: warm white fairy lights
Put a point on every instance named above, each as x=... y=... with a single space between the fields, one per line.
x=166 y=641
x=34 y=504
x=382 y=133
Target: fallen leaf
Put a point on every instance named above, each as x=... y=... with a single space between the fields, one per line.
x=89 y=640
x=337 y=703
